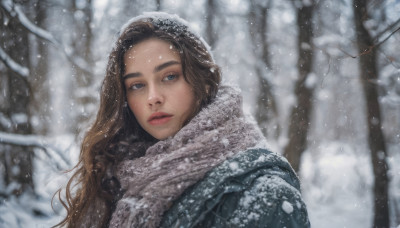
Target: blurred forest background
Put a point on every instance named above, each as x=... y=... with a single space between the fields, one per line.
x=321 y=78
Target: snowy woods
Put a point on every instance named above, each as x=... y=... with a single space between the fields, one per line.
x=320 y=77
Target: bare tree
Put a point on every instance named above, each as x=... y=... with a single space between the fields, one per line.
x=41 y=104
x=15 y=161
x=158 y=5
x=368 y=76
x=17 y=73
x=301 y=112
x=82 y=40
x=266 y=103
x=211 y=9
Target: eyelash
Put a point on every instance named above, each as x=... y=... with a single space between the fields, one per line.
x=132 y=86
x=170 y=74
x=164 y=79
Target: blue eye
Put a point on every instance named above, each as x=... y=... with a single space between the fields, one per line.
x=170 y=77
x=136 y=86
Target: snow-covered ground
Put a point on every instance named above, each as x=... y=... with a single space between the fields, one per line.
x=337 y=187
x=35 y=210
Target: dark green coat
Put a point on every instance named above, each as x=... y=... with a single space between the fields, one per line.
x=256 y=188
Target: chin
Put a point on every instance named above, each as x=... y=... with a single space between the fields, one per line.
x=164 y=135
x=161 y=136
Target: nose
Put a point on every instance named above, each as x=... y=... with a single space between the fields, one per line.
x=155 y=97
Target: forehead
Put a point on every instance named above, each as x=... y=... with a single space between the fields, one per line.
x=152 y=48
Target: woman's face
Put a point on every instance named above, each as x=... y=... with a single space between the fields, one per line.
x=156 y=91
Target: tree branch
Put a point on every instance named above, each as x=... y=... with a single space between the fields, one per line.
x=390 y=27
x=377 y=43
x=14 y=11
x=384 y=40
x=14 y=66
x=32 y=140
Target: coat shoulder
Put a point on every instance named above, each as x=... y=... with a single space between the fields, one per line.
x=269 y=201
x=256 y=188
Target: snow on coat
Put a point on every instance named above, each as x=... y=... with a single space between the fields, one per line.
x=256 y=188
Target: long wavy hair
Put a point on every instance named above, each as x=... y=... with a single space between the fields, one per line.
x=115 y=121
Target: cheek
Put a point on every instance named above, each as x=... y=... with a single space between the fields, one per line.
x=135 y=107
x=188 y=99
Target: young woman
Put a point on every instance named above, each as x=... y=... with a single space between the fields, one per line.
x=170 y=146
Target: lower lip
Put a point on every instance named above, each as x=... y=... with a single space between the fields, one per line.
x=160 y=121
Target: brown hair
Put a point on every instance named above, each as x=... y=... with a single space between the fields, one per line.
x=115 y=121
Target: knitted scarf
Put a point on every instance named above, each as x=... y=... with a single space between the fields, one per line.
x=169 y=167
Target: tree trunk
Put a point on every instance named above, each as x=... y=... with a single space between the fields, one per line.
x=15 y=161
x=300 y=114
x=376 y=140
x=41 y=104
x=210 y=30
x=158 y=5
x=83 y=47
x=266 y=109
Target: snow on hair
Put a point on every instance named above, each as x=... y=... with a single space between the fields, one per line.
x=173 y=18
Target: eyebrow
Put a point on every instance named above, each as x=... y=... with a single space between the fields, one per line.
x=156 y=69
x=165 y=65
